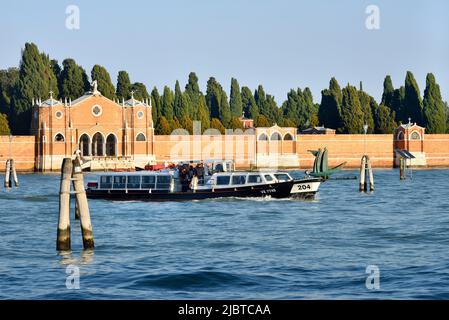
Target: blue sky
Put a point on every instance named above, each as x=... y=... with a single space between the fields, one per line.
x=280 y=44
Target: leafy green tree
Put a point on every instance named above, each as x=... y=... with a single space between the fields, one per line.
x=225 y=110
x=413 y=107
x=123 y=86
x=140 y=91
x=194 y=94
x=167 y=104
x=287 y=122
x=104 y=82
x=351 y=111
x=49 y=70
x=249 y=104
x=34 y=82
x=235 y=103
x=329 y=113
x=163 y=127
x=72 y=80
x=433 y=107
x=262 y=121
x=4 y=126
x=299 y=108
x=384 y=119
x=216 y=124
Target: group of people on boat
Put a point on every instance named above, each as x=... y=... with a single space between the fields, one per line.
x=190 y=176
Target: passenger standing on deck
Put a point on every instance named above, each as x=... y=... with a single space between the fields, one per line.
x=200 y=173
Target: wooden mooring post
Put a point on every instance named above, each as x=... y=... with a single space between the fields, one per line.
x=10 y=174
x=63 y=237
x=71 y=173
x=401 y=168
x=82 y=204
x=366 y=175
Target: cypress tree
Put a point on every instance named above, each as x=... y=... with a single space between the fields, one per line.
x=155 y=105
x=4 y=126
x=329 y=113
x=49 y=70
x=262 y=121
x=368 y=113
x=384 y=119
x=203 y=114
x=388 y=94
x=140 y=91
x=260 y=98
x=33 y=83
x=235 y=123
x=72 y=80
x=8 y=81
x=249 y=104
x=225 y=110
x=434 y=113
x=412 y=101
x=235 y=99
x=180 y=109
x=163 y=127
x=123 y=85
x=397 y=105
x=186 y=123
x=194 y=94
x=216 y=124
x=351 y=111
x=167 y=104
x=104 y=82
x=213 y=97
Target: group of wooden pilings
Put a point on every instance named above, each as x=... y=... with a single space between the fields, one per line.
x=10 y=174
x=366 y=171
x=72 y=173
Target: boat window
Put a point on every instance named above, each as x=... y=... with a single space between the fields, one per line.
x=223 y=180
x=163 y=182
x=254 y=178
x=282 y=177
x=238 y=179
x=106 y=182
x=133 y=182
x=268 y=177
x=119 y=182
x=148 y=182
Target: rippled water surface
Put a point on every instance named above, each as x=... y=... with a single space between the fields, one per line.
x=235 y=248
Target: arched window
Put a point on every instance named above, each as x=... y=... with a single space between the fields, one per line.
x=275 y=136
x=111 y=145
x=288 y=137
x=59 y=138
x=84 y=145
x=141 y=137
x=97 y=144
x=401 y=136
x=415 y=136
x=263 y=137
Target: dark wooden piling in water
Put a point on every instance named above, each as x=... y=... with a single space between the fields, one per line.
x=401 y=168
x=63 y=236
x=83 y=206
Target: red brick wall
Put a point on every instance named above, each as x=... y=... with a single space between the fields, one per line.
x=22 y=151
x=436 y=147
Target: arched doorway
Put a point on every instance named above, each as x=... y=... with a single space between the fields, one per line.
x=111 y=145
x=84 y=145
x=97 y=145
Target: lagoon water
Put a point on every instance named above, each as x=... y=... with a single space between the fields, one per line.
x=235 y=248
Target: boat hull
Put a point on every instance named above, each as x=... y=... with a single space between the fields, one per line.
x=298 y=189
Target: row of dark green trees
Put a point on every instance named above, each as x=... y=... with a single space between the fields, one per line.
x=344 y=109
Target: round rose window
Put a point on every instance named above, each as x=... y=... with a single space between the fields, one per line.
x=96 y=110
